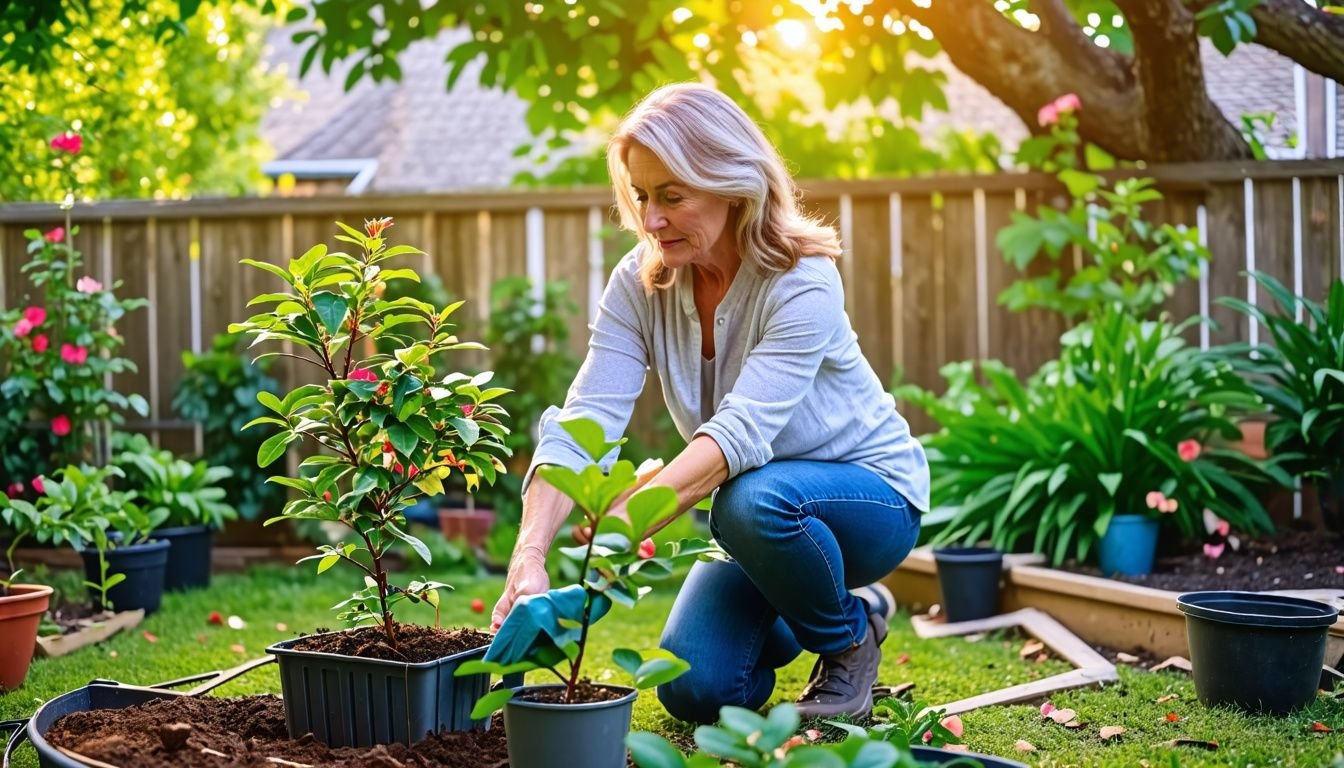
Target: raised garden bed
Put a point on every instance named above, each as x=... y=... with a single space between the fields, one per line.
x=1105 y=612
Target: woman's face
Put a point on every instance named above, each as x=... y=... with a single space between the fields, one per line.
x=690 y=226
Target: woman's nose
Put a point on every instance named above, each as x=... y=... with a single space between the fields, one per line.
x=653 y=219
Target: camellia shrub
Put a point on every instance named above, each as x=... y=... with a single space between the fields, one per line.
x=389 y=428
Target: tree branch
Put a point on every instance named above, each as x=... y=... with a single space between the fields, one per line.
x=1309 y=36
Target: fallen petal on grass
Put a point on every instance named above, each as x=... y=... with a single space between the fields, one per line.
x=1022 y=745
x=1127 y=658
x=1062 y=716
x=1173 y=662
x=1031 y=648
x=1320 y=727
x=1046 y=709
x=1109 y=732
x=1165 y=699
x=149 y=637
x=1172 y=717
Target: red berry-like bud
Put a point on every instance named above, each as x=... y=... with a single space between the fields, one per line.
x=387 y=446
x=477 y=605
x=326 y=496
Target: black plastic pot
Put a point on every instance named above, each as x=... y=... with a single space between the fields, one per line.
x=932 y=756
x=545 y=735
x=188 y=557
x=143 y=565
x=347 y=701
x=968 y=578
x=1256 y=652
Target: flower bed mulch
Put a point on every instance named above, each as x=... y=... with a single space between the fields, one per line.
x=1294 y=560
x=249 y=731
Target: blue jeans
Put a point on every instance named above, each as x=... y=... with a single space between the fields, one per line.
x=801 y=534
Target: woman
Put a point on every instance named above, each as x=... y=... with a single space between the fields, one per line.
x=733 y=298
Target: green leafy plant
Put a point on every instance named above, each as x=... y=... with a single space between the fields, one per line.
x=390 y=428
x=187 y=493
x=749 y=740
x=219 y=390
x=78 y=507
x=1301 y=378
x=618 y=564
x=906 y=724
x=1129 y=262
x=56 y=354
x=1126 y=412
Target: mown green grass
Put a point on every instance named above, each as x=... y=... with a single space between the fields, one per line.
x=943 y=670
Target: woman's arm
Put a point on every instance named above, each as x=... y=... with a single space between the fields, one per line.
x=693 y=475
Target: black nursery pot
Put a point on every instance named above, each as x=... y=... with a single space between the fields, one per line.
x=143 y=565
x=189 y=553
x=1256 y=652
x=931 y=756
x=968 y=578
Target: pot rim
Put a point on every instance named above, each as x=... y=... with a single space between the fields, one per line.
x=181 y=530
x=29 y=592
x=1258 y=609
x=629 y=697
x=284 y=649
x=960 y=554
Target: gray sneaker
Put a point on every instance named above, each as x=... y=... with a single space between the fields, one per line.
x=843 y=684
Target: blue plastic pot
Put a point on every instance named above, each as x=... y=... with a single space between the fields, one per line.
x=1129 y=545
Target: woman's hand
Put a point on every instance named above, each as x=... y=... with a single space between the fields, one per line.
x=527 y=576
x=643 y=474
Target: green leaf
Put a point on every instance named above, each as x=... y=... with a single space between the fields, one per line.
x=627 y=659
x=366 y=480
x=650 y=750
x=274 y=447
x=588 y=434
x=490 y=702
x=1111 y=481
x=650 y=506
x=327 y=562
x=331 y=308
x=273 y=269
x=271 y=401
x=403 y=438
x=1080 y=184
x=655 y=672
x=415 y=543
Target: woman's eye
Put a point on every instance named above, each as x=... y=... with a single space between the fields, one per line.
x=672 y=199
x=641 y=200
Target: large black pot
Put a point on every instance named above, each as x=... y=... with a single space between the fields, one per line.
x=143 y=565
x=544 y=734
x=1256 y=652
x=189 y=553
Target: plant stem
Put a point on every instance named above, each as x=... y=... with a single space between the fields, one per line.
x=588 y=594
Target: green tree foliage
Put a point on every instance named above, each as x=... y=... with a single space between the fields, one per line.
x=165 y=109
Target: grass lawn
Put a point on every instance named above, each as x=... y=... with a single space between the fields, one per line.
x=943 y=670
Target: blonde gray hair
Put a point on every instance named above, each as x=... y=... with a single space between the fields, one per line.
x=708 y=143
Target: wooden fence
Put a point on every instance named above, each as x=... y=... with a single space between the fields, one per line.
x=921 y=269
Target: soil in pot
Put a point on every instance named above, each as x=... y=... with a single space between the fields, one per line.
x=247 y=732
x=1294 y=560
x=584 y=693
x=417 y=643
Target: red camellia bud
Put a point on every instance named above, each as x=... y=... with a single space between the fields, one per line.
x=398 y=468
x=387 y=446
x=326 y=495
x=647 y=549
x=477 y=605
x=381 y=390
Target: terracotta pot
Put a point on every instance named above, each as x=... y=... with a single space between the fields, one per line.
x=20 y=613
x=1252 y=442
x=472 y=525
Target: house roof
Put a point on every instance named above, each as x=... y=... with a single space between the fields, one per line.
x=425 y=138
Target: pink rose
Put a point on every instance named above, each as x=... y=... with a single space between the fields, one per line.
x=60 y=426
x=73 y=354
x=1069 y=102
x=647 y=549
x=1189 y=450
x=54 y=235
x=23 y=327
x=68 y=142
x=87 y=284
x=39 y=485
x=363 y=374
x=40 y=343
x=35 y=315
x=1047 y=115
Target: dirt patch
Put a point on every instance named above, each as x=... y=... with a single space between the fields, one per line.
x=72 y=617
x=584 y=693
x=248 y=731
x=1295 y=560
x=415 y=643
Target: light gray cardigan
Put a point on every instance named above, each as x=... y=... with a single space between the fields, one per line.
x=789 y=379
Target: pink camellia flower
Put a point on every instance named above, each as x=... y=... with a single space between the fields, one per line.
x=1189 y=450
x=35 y=315
x=647 y=549
x=375 y=227
x=60 y=426
x=1154 y=499
x=87 y=284
x=1169 y=506
x=14 y=489
x=73 y=354
x=40 y=343
x=467 y=409
x=1214 y=551
x=1069 y=102
x=1047 y=115
x=363 y=374
x=39 y=485
x=23 y=327
x=68 y=141
x=54 y=235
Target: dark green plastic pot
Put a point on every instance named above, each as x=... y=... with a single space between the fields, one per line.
x=968 y=579
x=932 y=756
x=545 y=735
x=1255 y=652
x=143 y=566
x=347 y=701
x=188 y=557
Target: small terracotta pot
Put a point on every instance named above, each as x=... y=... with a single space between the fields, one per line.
x=472 y=525
x=20 y=613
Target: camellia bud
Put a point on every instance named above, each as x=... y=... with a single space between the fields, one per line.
x=387 y=446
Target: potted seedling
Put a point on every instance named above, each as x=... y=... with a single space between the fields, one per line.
x=551 y=630
x=21 y=605
x=389 y=429
x=189 y=499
